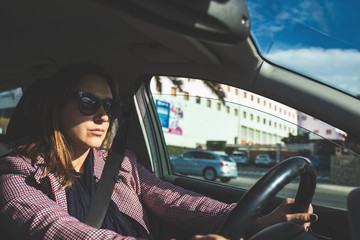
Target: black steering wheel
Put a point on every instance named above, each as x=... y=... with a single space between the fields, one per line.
x=254 y=201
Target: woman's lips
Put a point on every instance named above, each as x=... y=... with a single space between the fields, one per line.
x=97 y=131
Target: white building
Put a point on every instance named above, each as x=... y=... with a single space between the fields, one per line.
x=319 y=129
x=243 y=110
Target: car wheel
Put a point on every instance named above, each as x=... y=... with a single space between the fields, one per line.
x=225 y=180
x=209 y=174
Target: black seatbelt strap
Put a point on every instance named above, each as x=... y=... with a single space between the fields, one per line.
x=100 y=204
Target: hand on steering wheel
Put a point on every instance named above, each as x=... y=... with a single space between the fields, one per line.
x=253 y=202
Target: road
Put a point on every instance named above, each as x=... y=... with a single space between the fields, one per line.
x=326 y=194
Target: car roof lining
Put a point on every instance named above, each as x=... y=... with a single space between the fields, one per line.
x=44 y=41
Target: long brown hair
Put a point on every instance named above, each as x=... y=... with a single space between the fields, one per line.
x=34 y=128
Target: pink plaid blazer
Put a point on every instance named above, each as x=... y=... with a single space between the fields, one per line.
x=34 y=203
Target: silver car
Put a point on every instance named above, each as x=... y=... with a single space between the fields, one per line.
x=208 y=164
x=240 y=158
x=264 y=159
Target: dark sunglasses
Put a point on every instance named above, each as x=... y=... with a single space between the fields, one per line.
x=89 y=104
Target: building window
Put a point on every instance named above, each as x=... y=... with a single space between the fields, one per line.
x=275 y=124
x=270 y=105
x=186 y=96
x=208 y=103
x=264 y=121
x=264 y=103
x=258 y=100
x=244 y=94
x=173 y=91
x=328 y=131
x=251 y=117
x=316 y=131
x=218 y=106
x=280 y=110
x=252 y=97
x=236 y=91
x=244 y=114
x=269 y=122
x=228 y=88
x=198 y=99
x=236 y=112
x=258 y=119
x=227 y=109
x=303 y=117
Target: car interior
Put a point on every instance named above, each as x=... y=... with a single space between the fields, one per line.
x=209 y=40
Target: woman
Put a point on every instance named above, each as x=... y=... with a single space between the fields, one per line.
x=49 y=179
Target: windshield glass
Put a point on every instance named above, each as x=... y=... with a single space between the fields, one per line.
x=318 y=38
x=225 y=158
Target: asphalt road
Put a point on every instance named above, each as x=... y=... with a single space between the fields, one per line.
x=326 y=194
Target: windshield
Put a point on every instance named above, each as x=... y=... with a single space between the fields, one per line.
x=225 y=158
x=318 y=38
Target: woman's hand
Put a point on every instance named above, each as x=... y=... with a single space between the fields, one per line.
x=210 y=237
x=283 y=214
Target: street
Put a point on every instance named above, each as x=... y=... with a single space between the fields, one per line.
x=326 y=194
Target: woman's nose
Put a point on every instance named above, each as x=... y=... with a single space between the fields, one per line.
x=102 y=115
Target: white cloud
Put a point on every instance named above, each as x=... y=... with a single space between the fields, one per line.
x=336 y=67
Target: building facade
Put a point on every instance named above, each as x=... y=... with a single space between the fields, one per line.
x=256 y=120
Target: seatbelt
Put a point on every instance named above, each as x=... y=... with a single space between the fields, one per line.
x=100 y=204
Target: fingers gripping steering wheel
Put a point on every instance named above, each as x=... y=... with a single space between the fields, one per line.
x=253 y=202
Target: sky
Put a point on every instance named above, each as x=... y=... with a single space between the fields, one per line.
x=319 y=38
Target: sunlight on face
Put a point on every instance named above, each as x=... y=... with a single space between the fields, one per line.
x=86 y=131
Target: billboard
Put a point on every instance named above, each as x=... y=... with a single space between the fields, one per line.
x=171 y=116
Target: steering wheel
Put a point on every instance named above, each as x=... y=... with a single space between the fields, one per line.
x=253 y=202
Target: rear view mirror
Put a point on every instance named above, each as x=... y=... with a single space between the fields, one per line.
x=219 y=21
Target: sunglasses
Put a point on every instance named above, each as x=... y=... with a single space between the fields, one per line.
x=89 y=104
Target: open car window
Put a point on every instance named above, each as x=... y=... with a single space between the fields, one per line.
x=255 y=133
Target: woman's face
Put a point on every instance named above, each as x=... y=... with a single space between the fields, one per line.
x=85 y=131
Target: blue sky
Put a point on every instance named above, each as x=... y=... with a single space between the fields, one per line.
x=320 y=38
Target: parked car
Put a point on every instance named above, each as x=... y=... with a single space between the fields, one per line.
x=210 y=165
x=321 y=162
x=264 y=159
x=240 y=158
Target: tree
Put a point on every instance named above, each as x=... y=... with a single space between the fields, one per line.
x=214 y=87
x=304 y=138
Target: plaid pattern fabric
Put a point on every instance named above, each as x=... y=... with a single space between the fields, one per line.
x=35 y=205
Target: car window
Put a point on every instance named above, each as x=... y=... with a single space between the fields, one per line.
x=189 y=155
x=8 y=102
x=225 y=158
x=257 y=126
x=309 y=37
x=203 y=155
